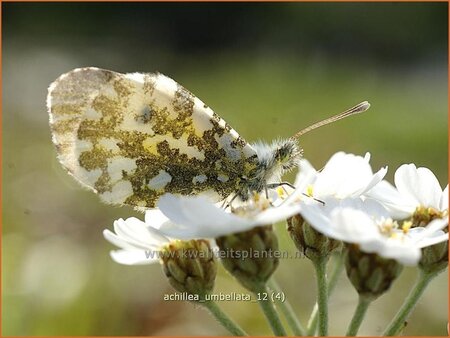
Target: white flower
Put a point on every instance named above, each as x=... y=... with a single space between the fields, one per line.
x=139 y=242
x=196 y=217
x=344 y=175
x=415 y=187
x=183 y=217
x=368 y=224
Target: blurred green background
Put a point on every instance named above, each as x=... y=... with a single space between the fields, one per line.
x=269 y=70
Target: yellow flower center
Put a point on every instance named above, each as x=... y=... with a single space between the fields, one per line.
x=406 y=226
x=387 y=226
x=280 y=192
x=424 y=215
x=309 y=190
x=391 y=228
x=256 y=204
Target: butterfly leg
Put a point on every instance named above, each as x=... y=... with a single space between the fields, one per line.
x=274 y=185
x=282 y=184
x=224 y=204
x=315 y=199
x=229 y=204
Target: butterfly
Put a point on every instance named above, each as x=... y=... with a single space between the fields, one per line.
x=133 y=137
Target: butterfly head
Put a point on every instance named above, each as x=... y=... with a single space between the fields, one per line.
x=287 y=154
x=276 y=159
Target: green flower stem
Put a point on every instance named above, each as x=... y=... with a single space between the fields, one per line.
x=265 y=302
x=288 y=311
x=397 y=323
x=334 y=277
x=358 y=316
x=223 y=318
x=320 y=265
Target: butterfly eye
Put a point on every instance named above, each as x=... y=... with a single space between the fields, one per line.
x=283 y=154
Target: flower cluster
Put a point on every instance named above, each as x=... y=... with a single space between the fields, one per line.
x=380 y=227
x=345 y=201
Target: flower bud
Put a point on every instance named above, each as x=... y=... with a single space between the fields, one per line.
x=434 y=258
x=309 y=241
x=190 y=266
x=250 y=256
x=370 y=274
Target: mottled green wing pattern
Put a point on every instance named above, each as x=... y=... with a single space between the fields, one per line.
x=133 y=137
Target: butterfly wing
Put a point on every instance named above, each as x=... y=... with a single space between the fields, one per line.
x=133 y=137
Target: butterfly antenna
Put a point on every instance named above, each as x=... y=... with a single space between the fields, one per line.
x=359 y=108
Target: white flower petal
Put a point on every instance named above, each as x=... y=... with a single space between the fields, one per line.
x=375 y=209
x=124 y=228
x=399 y=206
x=196 y=217
x=343 y=219
x=401 y=252
x=335 y=178
x=179 y=231
x=136 y=232
x=157 y=238
x=204 y=230
x=155 y=218
x=433 y=227
x=277 y=214
x=306 y=174
x=432 y=240
x=306 y=177
x=429 y=188
x=317 y=219
x=135 y=238
x=344 y=175
x=377 y=178
x=121 y=242
x=195 y=211
x=420 y=184
x=443 y=205
x=385 y=192
x=132 y=257
x=405 y=178
x=354 y=226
